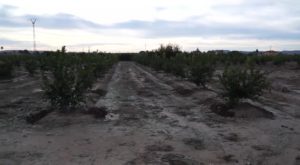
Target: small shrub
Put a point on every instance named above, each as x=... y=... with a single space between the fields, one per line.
x=66 y=81
x=278 y=60
x=201 y=73
x=241 y=83
x=99 y=69
x=250 y=61
x=179 y=65
x=31 y=65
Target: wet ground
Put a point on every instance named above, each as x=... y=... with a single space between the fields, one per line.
x=154 y=118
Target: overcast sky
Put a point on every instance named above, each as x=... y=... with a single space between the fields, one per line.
x=134 y=25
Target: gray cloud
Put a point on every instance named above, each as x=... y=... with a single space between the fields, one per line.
x=4 y=41
x=96 y=44
x=161 y=28
x=6 y=17
x=58 y=21
x=19 y=44
x=266 y=10
x=64 y=21
x=187 y=28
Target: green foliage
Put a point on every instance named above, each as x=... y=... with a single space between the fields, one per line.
x=250 y=62
x=235 y=57
x=201 y=73
x=182 y=64
x=150 y=59
x=242 y=83
x=168 y=51
x=31 y=65
x=125 y=57
x=100 y=63
x=67 y=77
x=175 y=65
x=279 y=60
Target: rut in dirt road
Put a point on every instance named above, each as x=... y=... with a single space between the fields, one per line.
x=153 y=103
x=143 y=100
x=134 y=87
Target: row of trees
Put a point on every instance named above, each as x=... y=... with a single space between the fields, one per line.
x=65 y=76
x=239 y=80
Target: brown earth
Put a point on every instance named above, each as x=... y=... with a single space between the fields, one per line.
x=154 y=118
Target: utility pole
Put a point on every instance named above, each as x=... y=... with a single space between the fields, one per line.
x=33 y=20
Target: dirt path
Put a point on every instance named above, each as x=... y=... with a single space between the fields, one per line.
x=154 y=119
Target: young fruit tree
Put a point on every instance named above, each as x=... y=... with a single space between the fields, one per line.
x=242 y=83
x=66 y=81
x=201 y=73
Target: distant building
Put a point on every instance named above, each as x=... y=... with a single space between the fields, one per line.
x=270 y=53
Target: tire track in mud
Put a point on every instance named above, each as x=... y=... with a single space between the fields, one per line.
x=170 y=102
x=137 y=94
x=151 y=106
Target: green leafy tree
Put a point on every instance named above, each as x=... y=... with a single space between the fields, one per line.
x=66 y=81
x=168 y=51
x=201 y=73
x=242 y=83
x=31 y=65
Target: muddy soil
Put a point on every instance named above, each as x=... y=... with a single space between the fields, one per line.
x=154 y=118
